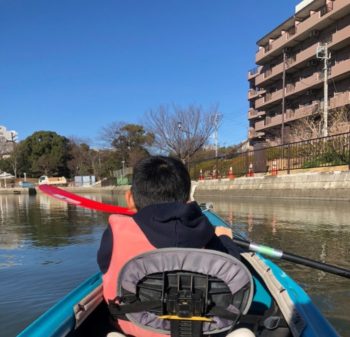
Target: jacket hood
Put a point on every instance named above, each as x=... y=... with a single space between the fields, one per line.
x=175 y=225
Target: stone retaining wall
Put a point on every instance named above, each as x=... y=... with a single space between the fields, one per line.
x=320 y=185
x=17 y=190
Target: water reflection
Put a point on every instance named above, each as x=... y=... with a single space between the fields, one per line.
x=44 y=221
x=325 y=223
x=48 y=247
x=318 y=230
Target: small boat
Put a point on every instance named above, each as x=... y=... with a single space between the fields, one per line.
x=279 y=307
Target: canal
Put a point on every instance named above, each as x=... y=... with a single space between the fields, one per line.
x=48 y=247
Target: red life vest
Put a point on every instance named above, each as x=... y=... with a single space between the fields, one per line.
x=128 y=242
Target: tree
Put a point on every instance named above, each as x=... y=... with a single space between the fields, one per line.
x=182 y=131
x=311 y=127
x=44 y=152
x=109 y=133
x=13 y=159
x=81 y=158
x=107 y=162
x=129 y=141
x=5 y=165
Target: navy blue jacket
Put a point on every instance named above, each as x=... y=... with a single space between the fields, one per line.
x=172 y=225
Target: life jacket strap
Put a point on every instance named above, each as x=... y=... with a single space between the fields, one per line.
x=118 y=311
x=185 y=328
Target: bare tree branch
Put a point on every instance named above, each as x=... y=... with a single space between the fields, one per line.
x=110 y=132
x=311 y=127
x=182 y=131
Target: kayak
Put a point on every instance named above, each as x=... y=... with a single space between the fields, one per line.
x=279 y=308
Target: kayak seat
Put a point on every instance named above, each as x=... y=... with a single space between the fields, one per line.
x=183 y=292
x=242 y=332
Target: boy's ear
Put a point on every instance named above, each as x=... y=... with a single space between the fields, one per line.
x=130 y=201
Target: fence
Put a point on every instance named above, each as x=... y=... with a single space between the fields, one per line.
x=318 y=152
x=123 y=176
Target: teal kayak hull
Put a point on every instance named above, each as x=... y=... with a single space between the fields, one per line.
x=60 y=320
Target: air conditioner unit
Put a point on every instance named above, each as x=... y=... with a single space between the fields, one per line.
x=312 y=62
x=314 y=33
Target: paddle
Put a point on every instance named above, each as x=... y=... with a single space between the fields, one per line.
x=77 y=200
x=279 y=254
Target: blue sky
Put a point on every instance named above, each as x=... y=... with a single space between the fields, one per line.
x=75 y=66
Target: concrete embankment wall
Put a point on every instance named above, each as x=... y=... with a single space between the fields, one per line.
x=320 y=185
x=17 y=190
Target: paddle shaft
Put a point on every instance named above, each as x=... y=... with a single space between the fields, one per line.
x=274 y=253
x=77 y=200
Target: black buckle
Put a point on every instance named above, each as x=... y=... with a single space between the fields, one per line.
x=185 y=303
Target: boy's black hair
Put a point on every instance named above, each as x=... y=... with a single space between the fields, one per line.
x=159 y=179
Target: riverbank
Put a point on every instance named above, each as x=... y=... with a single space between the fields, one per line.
x=311 y=185
x=331 y=185
x=17 y=190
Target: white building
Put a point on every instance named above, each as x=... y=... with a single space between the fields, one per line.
x=7 y=136
x=7 y=140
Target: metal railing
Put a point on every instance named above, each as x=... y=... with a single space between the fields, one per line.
x=318 y=152
x=253 y=71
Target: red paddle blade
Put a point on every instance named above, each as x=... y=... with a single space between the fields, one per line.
x=77 y=200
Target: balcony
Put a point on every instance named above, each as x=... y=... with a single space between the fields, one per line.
x=340 y=36
x=307 y=82
x=337 y=39
x=259 y=102
x=252 y=93
x=317 y=20
x=339 y=100
x=269 y=98
x=254 y=134
x=309 y=53
x=259 y=125
x=253 y=72
x=304 y=111
x=273 y=121
x=283 y=39
x=340 y=69
x=269 y=73
x=252 y=113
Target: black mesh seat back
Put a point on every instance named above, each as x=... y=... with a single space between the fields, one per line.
x=151 y=287
x=228 y=281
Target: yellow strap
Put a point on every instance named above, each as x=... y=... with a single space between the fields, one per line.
x=193 y=318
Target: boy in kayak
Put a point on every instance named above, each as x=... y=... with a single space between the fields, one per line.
x=164 y=217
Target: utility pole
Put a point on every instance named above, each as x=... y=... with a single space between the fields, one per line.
x=188 y=133
x=283 y=95
x=123 y=167
x=216 y=122
x=322 y=54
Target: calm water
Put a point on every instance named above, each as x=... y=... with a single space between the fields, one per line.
x=48 y=247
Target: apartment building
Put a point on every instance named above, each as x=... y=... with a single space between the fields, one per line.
x=289 y=80
x=7 y=140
